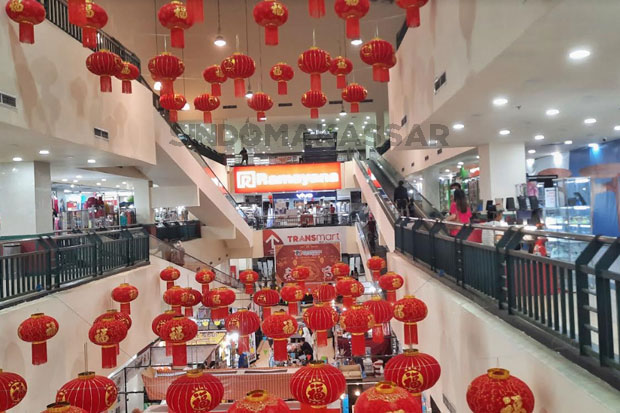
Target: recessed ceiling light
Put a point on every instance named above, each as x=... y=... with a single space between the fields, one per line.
x=124 y=183
x=72 y=186
x=447 y=171
x=477 y=156
x=579 y=54
x=336 y=128
x=617 y=127
x=589 y=121
x=103 y=179
x=78 y=176
x=118 y=186
x=157 y=86
x=356 y=42
x=64 y=179
x=532 y=151
x=91 y=161
x=98 y=183
x=539 y=137
x=17 y=159
x=458 y=126
x=568 y=142
x=367 y=117
x=219 y=41
x=504 y=132
x=44 y=152
x=593 y=145
x=323 y=120
x=500 y=101
x=460 y=163
x=75 y=181
x=552 y=112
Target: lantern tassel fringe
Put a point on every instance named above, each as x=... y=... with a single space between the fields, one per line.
x=216 y=89
x=413 y=17
x=39 y=353
x=26 y=32
x=271 y=36
x=282 y=88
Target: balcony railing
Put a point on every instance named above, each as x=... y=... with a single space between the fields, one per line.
x=303 y=220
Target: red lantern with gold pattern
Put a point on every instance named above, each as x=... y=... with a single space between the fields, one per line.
x=376 y=265
x=13 y=389
x=266 y=298
x=207 y=103
x=354 y=94
x=314 y=61
x=27 y=13
x=383 y=313
x=282 y=73
x=117 y=315
x=324 y=293
x=380 y=55
x=214 y=75
x=410 y=311
x=178 y=331
x=300 y=274
x=413 y=10
x=413 y=371
x=248 y=278
x=95 y=394
x=125 y=294
x=279 y=326
x=313 y=100
x=76 y=11
x=205 y=277
x=169 y=275
x=387 y=397
x=244 y=323
x=238 y=67
x=317 y=385
x=104 y=64
x=390 y=282
x=158 y=322
x=166 y=68
x=341 y=67
x=128 y=73
x=173 y=103
x=316 y=8
x=176 y=297
x=194 y=392
x=351 y=12
x=195 y=299
x=498 y=392
x=37 y=330
x=261 y=103
x=95 y=19
x=63 y=407
x=340 y=270
x=218 y=300
x=108 y=332
x=270 y=14
x=357 y=320
x=259 y=401
x=349 y=288
x=174 y=16
x=320 y=318
x=292 y=294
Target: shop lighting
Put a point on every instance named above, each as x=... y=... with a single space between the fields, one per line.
x=589 y=121
x=91 y=161
x=552 y=112
x=500 y=101
x=64 y=179
x=98 y=183
x=124 y=183
x=504 y=132
x=568 y=142
x=367 y=117
x=447 y=171
x=103 y=180
x=458 y=126
x=219 y=41
x=17 y=159
x=593 y=146
x=44 y=152
x=531 y=151
x=579 y=54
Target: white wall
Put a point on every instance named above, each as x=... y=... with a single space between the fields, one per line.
x=466 y=340
x=502 y=167
x=400 y=159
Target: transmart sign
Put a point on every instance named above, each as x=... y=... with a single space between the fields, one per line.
x=287 y=178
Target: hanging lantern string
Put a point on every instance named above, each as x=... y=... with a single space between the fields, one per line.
x=219 y=21
x=247 y=36
x=260 y=58
x=237 y=42
x=314 y=37
x=155 y=20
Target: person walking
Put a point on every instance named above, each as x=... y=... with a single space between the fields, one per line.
x=401 y=198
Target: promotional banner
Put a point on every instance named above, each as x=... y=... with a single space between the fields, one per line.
x=287 y=178
x=318 y=257
x=296 y=236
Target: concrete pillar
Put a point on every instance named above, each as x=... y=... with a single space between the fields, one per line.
x=142 y=202
x=430 y=186
x=26 y=206
x=502 y=167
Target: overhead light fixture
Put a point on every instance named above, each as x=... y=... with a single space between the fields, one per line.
x=157 y=86
x=350 y=123
x=356 y=42
x=447 y=171
x=532 y=151
x=186 y=106
x=44 y=152
x=568 y=142
x=552 y=112
x=124 y=183
x=67 y=191
x=249 y=94
x=72 y=186
x=64 y=179
x=75 y=181
x=460 y=163
x=500 y=101
x=579 y=54
x=593 y=146
x=78 y=176
x=617 y=127
x=103 y=180
x=343 y=112
x=367 y=117
x=504 y=132
x=323 y=120
x=118 y=186
x=539 y=137
x=91 y=161
x=17 y=159
x=589 y=121
x=458 y=126
x=337 y=119
x=219 y=41
x=98 y=183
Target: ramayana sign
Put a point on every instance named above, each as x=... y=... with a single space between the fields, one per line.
x=287 y=178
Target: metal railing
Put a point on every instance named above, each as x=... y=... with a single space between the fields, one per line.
x=57 y=262
x=384 y=201
x=303 y=220
x=574 y=301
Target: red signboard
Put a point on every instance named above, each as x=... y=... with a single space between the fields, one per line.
x=287 y=178
x=318 y=257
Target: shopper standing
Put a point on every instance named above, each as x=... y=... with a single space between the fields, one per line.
x=462 y=212
x=244 y=155
x=401 y=198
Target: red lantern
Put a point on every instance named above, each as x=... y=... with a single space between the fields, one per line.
x=174 y=16
x=37 y=330
x=90 y=392
x=205 y=277
x=320 y=318
x=380 y=55
x=108 y=332
x=238 y=67
x=95 y=18
x=270 y=14
x=324 y=293
x=317 y=385
x=207 y=103
x=195 y=299
x=260 y=102
x=128 y=73
x=194 y=392
x=77 y=12
x=170 y=275
x=173 y=102
x=177 y=332
x=117 y=315
x=27 y=13
x=266 y=298
x=413 y=371
x=279 y=326
x=214 y=75
x=376 y=264
x=63 y=407
x=340 y=270
x=282 y=73
x=104 y=64
x=158 y=322
x=354 y=94
x=125 y=294
x=244 y=323
x=410 y=311
x=248 y=277
x=218 y=300
x=259 y=401
x=352 y=12
x=314 y=61
x=387 y=397
x=165 y=68
x=300 y=274
x=357 y=320
x=176 y=297
x=383 y=313
x=390 y=282
x=13 y=389
x=341 y=67
x=313 y=100
x=413 y=10
x=292 y=293
x=349 y=288
x=195 y=11
x=316 y=8
x=497 y=392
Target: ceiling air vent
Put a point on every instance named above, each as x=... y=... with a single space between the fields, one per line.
x=440 y=81
x=439 y=151
x=102 y=134
x=8 y=100
x=285 y=105
x=229 y=107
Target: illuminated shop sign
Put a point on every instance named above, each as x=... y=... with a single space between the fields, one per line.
x=287 y=178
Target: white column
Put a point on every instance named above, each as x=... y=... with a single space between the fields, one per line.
x=26 y=206
x=430 y=186
x=142 y=202
x=502 y=167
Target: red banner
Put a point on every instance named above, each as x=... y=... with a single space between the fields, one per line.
x=318 y=257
